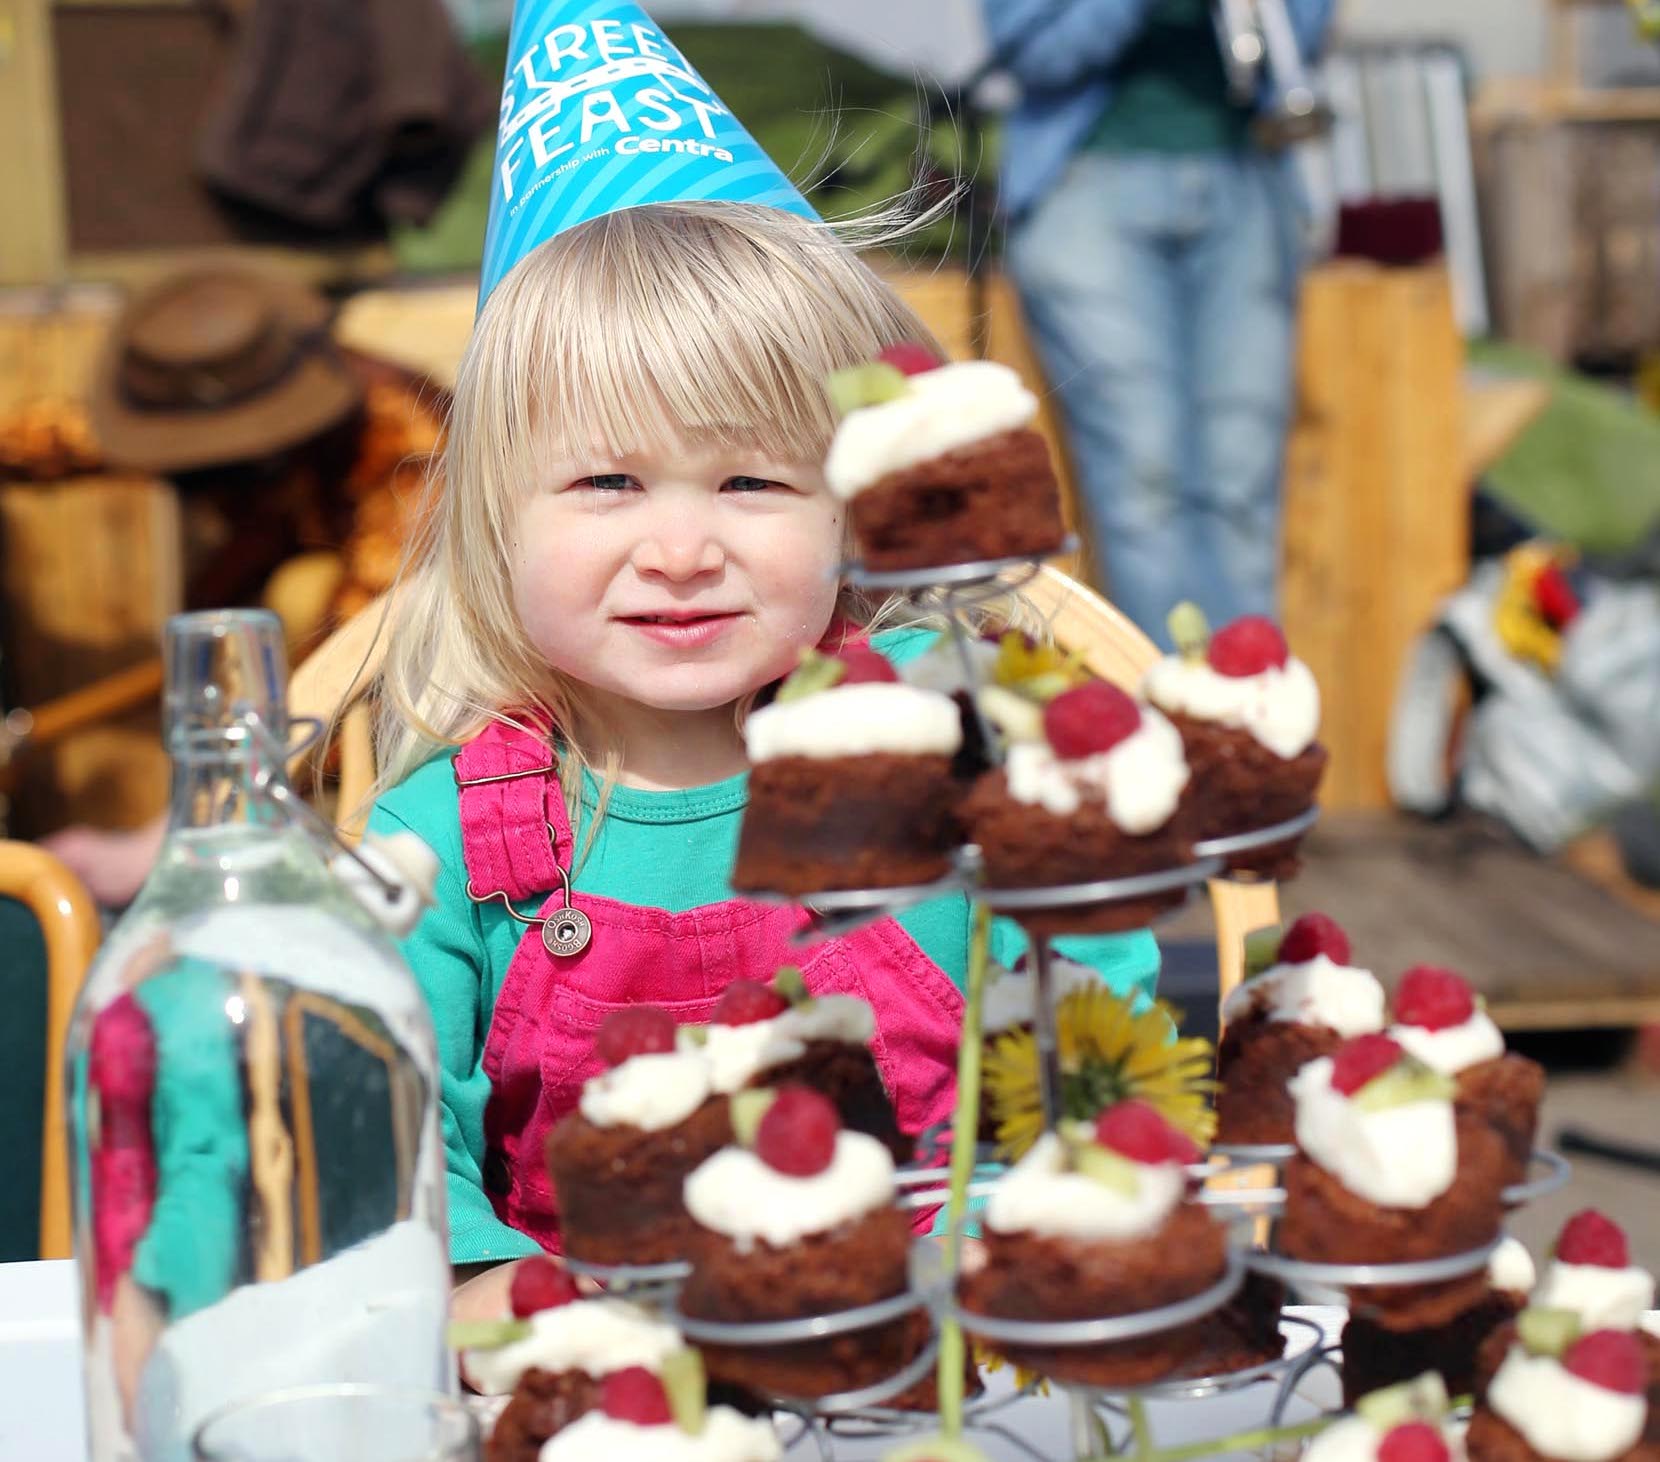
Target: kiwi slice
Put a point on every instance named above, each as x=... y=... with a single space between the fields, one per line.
x=1189 y=630
x=687 y=1389
x=1408 y=1080
x=936 y=1449
x=869 y=384
x=1262 y=949
x=791 y=984
x=1018 y=718
x=1424 y=1398
x=746 y=1110
x=1045 y=687
x=486 y=1334
x=1106 y=1168
x=1546 y=1331
x=816 y=672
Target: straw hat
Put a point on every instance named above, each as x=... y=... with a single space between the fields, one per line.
x=214 y=366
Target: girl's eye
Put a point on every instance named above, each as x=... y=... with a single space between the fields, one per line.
x=607 y=482
x=750 y=484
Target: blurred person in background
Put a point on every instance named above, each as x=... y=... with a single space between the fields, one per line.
x=1157 y=249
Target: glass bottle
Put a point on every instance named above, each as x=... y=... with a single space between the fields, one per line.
x=256 y=1160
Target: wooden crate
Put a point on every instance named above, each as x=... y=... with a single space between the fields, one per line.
x=88 y=575
x=1376 y=498
x=89 y=572
x=1573 y=233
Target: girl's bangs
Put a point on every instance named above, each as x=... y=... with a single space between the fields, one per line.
x=669 y=325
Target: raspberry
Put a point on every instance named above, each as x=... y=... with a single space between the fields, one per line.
x=1413 y=1441
x=1590 y=1237
x=1612 y=1359
x=540 y=1284
x=747 y=1002
x=1433 y=998
x=1554 y=596
x=635 y=1395
x=1135 y=1130
x=1248 y=646
x=1361 y=1059
x=797 y=1135
x=1093 y=718
x=1311 y=935
x=909 y=357
x=641 y=1030
x=864 y=664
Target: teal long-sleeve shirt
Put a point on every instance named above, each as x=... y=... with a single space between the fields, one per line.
x=668 y=850
x=190 y=1252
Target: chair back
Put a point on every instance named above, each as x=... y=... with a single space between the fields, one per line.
x=49 y=930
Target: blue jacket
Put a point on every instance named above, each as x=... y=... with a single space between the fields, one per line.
x=1062 y=52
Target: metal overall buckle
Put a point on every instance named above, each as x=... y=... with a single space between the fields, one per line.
x=567 y=930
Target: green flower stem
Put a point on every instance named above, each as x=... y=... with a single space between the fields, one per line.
x=1140 y=1430
x=1251 y=1441
x=965 y=1135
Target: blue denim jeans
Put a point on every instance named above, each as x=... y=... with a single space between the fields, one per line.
x=1161 y=291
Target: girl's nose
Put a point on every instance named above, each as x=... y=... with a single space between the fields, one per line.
x=679 y=548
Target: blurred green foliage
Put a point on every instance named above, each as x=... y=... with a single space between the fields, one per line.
x=1588 y=470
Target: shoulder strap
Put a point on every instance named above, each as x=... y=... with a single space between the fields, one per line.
x=507 y=781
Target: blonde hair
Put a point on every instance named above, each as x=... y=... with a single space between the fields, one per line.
x=699 y=322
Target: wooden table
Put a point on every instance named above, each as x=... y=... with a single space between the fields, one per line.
x=1549 y=948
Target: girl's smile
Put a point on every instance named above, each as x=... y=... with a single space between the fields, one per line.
x=683 y=629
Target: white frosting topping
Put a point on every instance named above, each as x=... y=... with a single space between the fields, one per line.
x=1315 y=991
x=869 y=717
x=1138 y=780
x=597 y=1336
x=736 y=1194
x=1038 y=1195
x=738 y=1053
x=1562 y=1416
x=648 y=1092
x=1010 y=1001
x=1455 y=1048
x=1650 y=1324
x=1349 y=1439
x=1280 y=708
x=1604 y=1299
x=727 y=1436
x=940 y=411
x=1511 y=1268
x=1402 y=1157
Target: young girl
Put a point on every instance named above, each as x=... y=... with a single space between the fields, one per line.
x=633 y=538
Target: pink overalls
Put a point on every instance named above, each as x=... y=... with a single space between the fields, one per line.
x=540 y=1047
x=121 y=1077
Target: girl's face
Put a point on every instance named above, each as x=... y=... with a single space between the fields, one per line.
x=681 y=580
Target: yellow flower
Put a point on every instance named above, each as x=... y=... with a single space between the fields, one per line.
x=1040 y=672
x=1108 y=1052
x=1521 y=628
x=989 y=1360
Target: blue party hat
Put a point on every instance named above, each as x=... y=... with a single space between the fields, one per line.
x=600 y=112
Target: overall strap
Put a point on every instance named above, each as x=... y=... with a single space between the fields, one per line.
x=508 y=785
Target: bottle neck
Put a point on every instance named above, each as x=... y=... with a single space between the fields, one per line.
x=224 y=782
